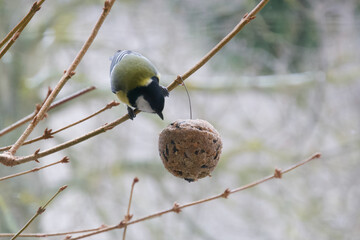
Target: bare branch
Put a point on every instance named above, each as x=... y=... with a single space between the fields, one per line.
x=16 y=31
x=128 y=216
x=177 y=207
x=66 y=76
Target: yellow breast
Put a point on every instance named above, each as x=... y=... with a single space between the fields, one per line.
x=123 y=97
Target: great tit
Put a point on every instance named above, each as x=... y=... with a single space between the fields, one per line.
x=135 y=81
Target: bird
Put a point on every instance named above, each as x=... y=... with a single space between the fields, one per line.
x=135 y=81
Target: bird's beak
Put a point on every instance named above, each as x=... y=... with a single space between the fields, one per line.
x=160 y=115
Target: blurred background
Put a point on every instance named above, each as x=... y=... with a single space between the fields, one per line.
x=286 y=87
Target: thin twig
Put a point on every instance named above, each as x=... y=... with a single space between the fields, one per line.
x=128 y=216
x=177 y=207
x=108 y=106
x=54 y=105
x=106 y=229
x=16 y=31
x=71 y=97
x=66 y=76
x=10 y=160
x=64 y=160
x=38 y=212
x=48 y=133
x=43 y=235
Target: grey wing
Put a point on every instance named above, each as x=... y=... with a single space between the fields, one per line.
x=119 y=55
x=117 y=58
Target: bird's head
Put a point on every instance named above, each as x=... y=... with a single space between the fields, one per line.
x=149 y=98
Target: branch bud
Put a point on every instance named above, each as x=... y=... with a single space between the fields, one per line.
x=176 y=208
x=226 y=193
x=278 y=173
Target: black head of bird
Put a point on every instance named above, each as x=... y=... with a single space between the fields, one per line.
x=135 y=81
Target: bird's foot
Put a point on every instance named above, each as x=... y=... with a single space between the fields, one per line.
x=165 y=92
x=131 y=113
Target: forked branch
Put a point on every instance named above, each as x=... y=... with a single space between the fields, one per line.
x=14 y=34
x=66 y=76
x=10 y=160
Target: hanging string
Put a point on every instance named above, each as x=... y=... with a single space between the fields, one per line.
x=187 y=92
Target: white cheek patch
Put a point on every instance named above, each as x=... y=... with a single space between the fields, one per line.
x=143 y=105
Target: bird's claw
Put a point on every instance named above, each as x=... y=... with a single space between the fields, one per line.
x=165 y=92
x=131 y=113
